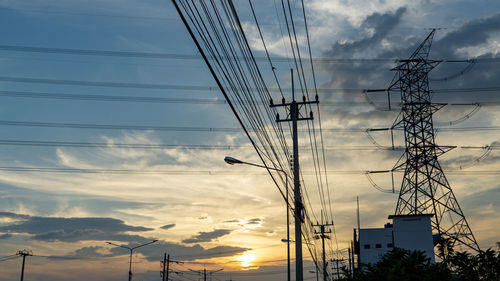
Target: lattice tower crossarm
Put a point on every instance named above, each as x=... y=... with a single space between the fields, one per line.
x=425 y=189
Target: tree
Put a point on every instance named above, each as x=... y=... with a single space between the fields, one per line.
x=404 y=265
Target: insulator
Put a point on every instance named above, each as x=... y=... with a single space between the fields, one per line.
x=277 y=117
x=283 y=100
x=311 y=114
x=303 y=98
x=271 y=101
x=316 y=97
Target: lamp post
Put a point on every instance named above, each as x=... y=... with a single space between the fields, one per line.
x=232 y=161
x=131 y=250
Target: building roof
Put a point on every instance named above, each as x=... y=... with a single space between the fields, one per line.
x=410 y=216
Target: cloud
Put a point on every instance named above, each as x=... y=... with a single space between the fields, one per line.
x=207 y=236
x=155 y=251
x=86 y=252
x=10 y=215
x=473 y=33
x=254 y=221
x=71 y=229
x=5 y=236
x=377 y=25
x=187 y=252
x=168 y=226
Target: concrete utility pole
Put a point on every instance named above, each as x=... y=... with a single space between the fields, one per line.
x=24 y=253
x=323 y=235
x=294 y=116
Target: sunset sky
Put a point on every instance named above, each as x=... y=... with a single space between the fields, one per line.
x=203 y=211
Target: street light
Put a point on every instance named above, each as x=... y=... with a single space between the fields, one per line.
x=131 y=250
x=232 y=161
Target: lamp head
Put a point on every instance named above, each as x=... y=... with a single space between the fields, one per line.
x=232 y=161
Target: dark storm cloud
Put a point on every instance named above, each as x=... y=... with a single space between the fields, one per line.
x=71 y=229
x=168 y=226
x=382 y=24
x=471 y=34
x=366 y=75
x=207 y=236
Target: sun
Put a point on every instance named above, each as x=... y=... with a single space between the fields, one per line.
x=246 y=260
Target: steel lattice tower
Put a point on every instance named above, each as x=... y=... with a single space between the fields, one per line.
x=425 y=189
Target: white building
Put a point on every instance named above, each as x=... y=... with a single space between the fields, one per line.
x=410 y=232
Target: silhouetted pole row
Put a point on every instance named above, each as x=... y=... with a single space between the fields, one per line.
x=166 y=266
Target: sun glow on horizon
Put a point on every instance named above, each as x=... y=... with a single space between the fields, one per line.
x=247 y=260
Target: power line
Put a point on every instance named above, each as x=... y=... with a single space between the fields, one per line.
x=128 y=54
x=144 y=99
x=208 y=129
x=107 y=15
x=205 y=172
x=171 y=146
x=118 y=127
x=210 y=88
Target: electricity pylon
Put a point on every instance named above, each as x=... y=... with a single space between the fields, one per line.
x=425 y=189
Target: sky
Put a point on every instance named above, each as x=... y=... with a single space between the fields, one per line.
x=203 y=211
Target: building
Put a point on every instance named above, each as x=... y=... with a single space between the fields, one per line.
x=409 y=232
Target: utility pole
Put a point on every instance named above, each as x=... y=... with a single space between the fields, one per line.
x=350 y=264
x=166 y=262
x=322 y=232
x=166 y=266
x=294 y=116
x=205 y=273
x=24 y=253
x=337 y=267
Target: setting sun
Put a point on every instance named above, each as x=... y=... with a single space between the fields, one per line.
x=246 y=260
